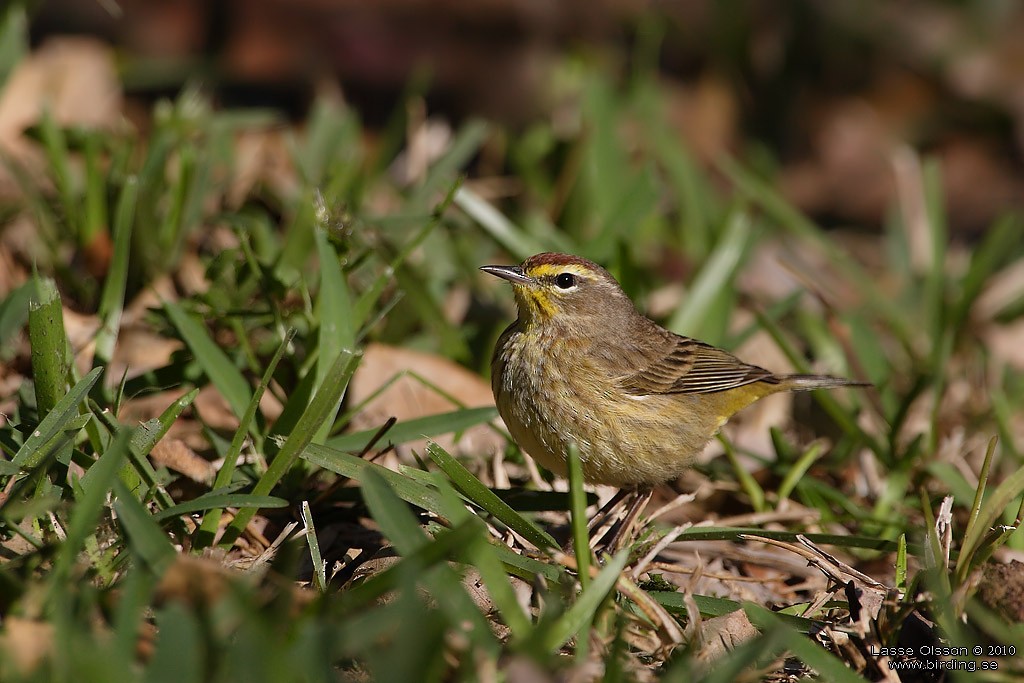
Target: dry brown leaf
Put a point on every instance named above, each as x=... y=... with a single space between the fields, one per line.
x=261 y=157
x=75 y=79
x=12 y=275
x=159 y=290
x=81 y=330
x=409 y=398
x=706 y=116
x=138 y=351
x=26 y=642
x=720 y=635
x=174 y=454
x=214 y=409
x=1002 y=588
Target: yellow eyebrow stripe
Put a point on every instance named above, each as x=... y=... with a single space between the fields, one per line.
x=545 y=269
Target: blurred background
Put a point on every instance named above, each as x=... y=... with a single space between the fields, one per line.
x=821 y=95
x=215 y=192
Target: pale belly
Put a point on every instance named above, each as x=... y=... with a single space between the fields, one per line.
x=623 y=440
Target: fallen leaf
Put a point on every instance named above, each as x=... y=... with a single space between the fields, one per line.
x=174 y=454
x=74 y=79
x=721 y=635
x=408 y=397
x=26 y=642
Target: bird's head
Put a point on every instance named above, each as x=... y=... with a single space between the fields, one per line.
x=561 y=289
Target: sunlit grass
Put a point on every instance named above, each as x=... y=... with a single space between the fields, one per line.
x=301 y=279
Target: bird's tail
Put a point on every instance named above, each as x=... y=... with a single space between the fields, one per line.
x=810 y=382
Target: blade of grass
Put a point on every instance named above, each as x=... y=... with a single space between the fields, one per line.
x=582 y=612
x=483 y=556
x=55 y=144
x=211 y=521
x=420 y=560
x=830 y=667
x=337 y=326
x=835 y=411
x=798 y=469
x=13 y=315
x=145 y=537
x=48 y=339
x=762 y=194
x=96 y=484
x=112 y=299
x=212 y=501
x=466 y=144
x=578 y=516
x=392 y=514
x=733 y=534
x=319 y=566
x=474 y=489
x=745 y=478
x=145 y=437
x=350 y=466
x=365 y=304
x=1011 y=488
x=214 y=362
x=400 y=526
x=13 y=39
x=29 y=455
x=501 y=229
x=716 y=275
x=418 y=428
x=324 y=403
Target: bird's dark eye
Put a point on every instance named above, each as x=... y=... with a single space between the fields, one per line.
x=565 y=280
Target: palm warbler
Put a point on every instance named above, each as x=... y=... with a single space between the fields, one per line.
x=581 y=365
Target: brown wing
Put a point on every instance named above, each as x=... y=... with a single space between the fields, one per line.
x=687 y=366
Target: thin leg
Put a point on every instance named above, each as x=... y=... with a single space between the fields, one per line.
x=607 y=510
x=622 y=533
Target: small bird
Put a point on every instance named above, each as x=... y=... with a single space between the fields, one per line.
x=582 y=366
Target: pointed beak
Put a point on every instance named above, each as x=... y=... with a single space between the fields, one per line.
x=513 y=274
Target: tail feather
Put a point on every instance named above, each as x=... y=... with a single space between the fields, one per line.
x=811 y=382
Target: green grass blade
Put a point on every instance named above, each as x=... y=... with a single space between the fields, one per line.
x=715 y=276
x=710 y=533
x=213 y=500
x=392 y=514
x=577 y=618
x=13 y=315
x=215 y=363
x=337 y=326
x=444 y=547
x=828 y=666
x=501 y=229
x=418 y=428
x=746 y=480
x=319 y=567
x=484 y=556
x=13 y=39
x=145 y=537
x=466 y=144
x=96 y=484
x=50 y=361
x=474 y=489
x=991 y=510
x=578 y=517
x=211 y=521
x=112 y=298
x=350 y=466
x=179 y=650
x=29 y=455
x=795 y=472
x=323 y=405
x=402 y=528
